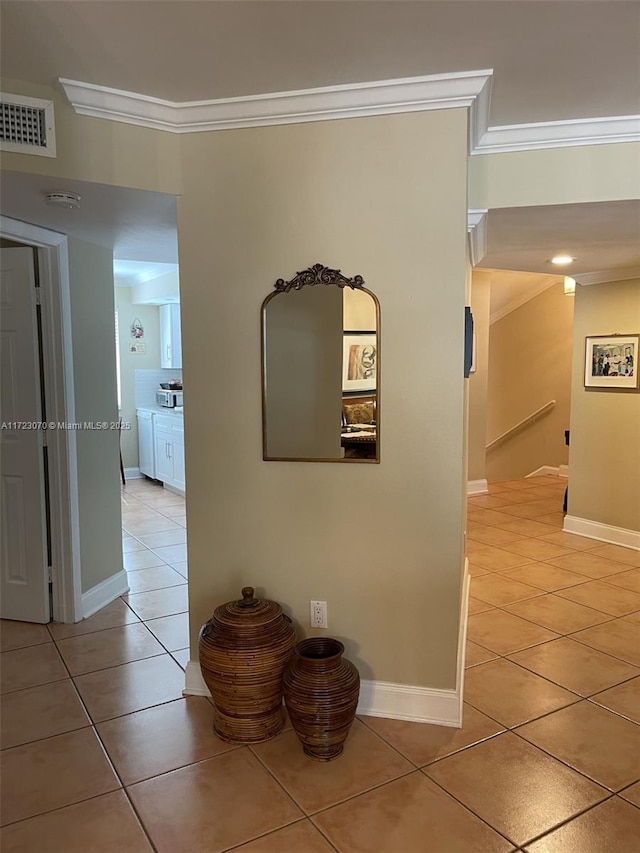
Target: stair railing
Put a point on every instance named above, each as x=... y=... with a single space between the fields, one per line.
x=525 y=422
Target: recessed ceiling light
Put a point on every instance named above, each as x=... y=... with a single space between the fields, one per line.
x=62 y=198
x=561 y=260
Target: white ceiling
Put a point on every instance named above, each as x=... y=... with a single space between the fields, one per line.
x=600 y=236
x=552 y=60
x=136 y=224
x=130 y=273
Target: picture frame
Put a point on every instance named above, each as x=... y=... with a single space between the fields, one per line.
x=611 y=361
x=359 y=361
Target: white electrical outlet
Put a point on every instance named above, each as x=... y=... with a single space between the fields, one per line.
x=318 y=614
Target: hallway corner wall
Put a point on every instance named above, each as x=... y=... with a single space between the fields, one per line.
x=480 y=302
x=604 y=468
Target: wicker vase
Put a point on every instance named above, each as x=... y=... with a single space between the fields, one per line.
x=321 y=692
x=244 y=649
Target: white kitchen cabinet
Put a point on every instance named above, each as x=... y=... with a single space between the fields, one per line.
x=164 y=465
x=146 y=451
x=177 y=455
x=170 y=336
x=169 y=445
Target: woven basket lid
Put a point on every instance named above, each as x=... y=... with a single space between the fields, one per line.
x=246 y=614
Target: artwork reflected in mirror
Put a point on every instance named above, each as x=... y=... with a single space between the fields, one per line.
x=320 y=369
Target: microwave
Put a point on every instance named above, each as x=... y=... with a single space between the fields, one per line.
x=169 y=399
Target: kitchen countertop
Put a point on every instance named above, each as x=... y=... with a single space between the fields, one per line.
x=161 y=410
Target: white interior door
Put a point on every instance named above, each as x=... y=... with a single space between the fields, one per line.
x=24 y=575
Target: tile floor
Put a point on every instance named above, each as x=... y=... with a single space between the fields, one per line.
x=101 y=752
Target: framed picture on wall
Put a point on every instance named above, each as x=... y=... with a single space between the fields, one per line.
x=359 y=361
x=611 y=361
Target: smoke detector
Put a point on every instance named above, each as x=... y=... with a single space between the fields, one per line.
x=62 y=198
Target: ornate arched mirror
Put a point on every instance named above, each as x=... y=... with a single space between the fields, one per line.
x=320 y=369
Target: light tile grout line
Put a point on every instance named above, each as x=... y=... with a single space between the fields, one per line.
x=120 y=716
x=547 y=561
x=346 y=799
x=404 y=776
x=588 y=698
x=112 y=666
x=304 y=819
x=415 y=769
x=514 y=730
x=502 y=834
x=561 y=760
x=613 y=618
x=505 y=729
x=93 y=728
x=569 y=635
x=574 y=817
x=536 y=837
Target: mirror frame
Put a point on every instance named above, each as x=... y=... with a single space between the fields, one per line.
x=318 y=274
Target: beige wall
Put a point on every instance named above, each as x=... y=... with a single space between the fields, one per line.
x=480 y=301
x=359 y=311
x=94 y=376
x=129 y=363
x=165 y=288
x=384 y=198
x=105 y=152
x=604 y=466
x=585 y=173
x=529 y=365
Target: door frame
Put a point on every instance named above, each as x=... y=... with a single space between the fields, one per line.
x=53 y=269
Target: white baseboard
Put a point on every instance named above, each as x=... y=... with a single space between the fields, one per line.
x=133 y=474
x=421 y=704
x=386 y=699
x=602 y=532
x=556 y=470
x=104 y=593
x=540 y=472
x=404 y=702
x=174 y=489
x=477 y=487
x=194 y=683
x=377 y=699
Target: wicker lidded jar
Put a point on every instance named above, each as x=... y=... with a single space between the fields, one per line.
x=244 y=649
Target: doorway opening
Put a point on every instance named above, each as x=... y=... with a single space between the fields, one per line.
x=75 y=255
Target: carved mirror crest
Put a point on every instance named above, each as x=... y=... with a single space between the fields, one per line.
x=320 y=369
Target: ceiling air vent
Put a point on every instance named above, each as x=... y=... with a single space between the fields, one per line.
x=26 y=125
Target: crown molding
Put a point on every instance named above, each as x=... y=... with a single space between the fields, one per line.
x=477 y=232
x=604 y=276
x=469 y=89
x=558 y=134
x=479 y=114
x=411 y=94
